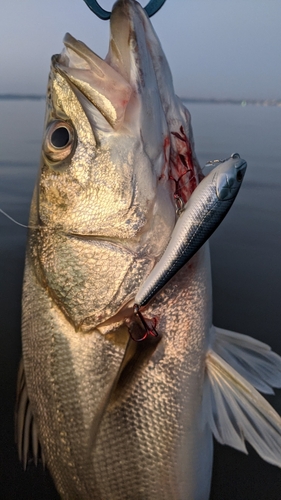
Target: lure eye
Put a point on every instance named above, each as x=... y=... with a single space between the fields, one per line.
x=59 y=141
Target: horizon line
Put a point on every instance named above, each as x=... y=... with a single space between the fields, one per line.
x=191 y=100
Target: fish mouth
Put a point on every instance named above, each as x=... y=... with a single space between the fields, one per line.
x=125 y=84
x=118 y=243
x=102 y=86
x=95 y=237
x=241 y=166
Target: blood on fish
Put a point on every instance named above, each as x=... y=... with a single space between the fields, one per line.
x=183 y=160
x=167 y=144
x=182 y=170
x=178 y=157
x=165 y=168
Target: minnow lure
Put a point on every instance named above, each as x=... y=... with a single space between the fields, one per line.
x=202 y=214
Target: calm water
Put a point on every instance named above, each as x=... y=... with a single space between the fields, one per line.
x=246 y=267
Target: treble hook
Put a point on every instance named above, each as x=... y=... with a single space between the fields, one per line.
x=147 y=324
x=152 y=7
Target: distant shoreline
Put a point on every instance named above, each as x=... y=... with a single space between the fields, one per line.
x=190 y=100
x=21 y=97
x=239 y=102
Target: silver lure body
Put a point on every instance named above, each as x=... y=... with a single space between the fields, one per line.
x=204 y=211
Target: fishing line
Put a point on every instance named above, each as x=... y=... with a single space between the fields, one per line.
x=16 y=222
x=29 y=227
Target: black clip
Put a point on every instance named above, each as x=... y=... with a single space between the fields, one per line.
x=152 y=7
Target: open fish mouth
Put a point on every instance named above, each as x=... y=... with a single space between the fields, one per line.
x=95 y=79
x=126 y=83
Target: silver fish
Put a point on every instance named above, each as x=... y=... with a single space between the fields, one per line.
x=118 y=419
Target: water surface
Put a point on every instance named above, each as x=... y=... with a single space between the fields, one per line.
x=246 y=269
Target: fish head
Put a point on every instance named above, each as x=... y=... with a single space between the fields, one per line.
x=104 y=143
x=229 y=176
x=105 y=201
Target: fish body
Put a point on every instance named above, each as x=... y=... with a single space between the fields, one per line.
x=118 y=419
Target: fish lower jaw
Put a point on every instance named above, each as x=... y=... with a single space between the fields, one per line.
x=128 y=243
x=140 y=246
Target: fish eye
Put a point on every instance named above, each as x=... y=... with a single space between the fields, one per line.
x=60 y=137
x=59 y=140
x=239 y=176
x=235 y=155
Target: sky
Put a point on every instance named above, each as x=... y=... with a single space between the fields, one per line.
x=216 y=48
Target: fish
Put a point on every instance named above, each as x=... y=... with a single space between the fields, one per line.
x=111 y=417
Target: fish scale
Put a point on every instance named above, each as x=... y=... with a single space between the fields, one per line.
x=153 y=407
x=66 y=427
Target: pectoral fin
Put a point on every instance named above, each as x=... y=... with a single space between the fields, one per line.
x=26 y=429
x=233 y=409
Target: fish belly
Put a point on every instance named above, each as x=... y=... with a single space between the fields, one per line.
x=144 y=438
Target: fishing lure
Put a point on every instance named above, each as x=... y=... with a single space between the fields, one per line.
x=202 y=214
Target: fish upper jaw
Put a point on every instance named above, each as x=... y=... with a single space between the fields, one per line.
x=135 y=54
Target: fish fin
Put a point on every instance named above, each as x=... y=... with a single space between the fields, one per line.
x=252 y=359
x=26 y=429
x=236 y=412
